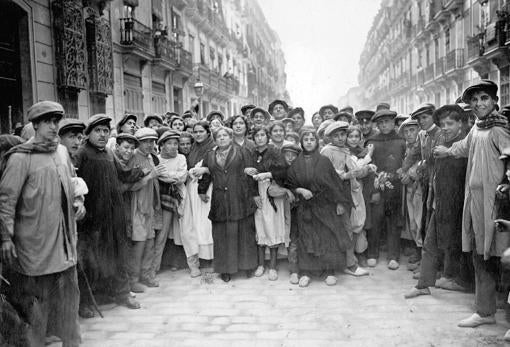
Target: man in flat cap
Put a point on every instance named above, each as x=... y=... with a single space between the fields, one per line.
x=103 y=242
x=483 y=147
x=364 y=118
x=278 y=109
x=38 y=209
x=71 y=135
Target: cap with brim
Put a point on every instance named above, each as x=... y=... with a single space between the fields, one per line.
x=382 y=106
x=95 y=120
x=147 y=119
x=43 y=108
x=125 y=119
x=408 y=122
x=212 y=114
x=161 y=130
x=146 y=134
x=347 y=109
x=260 y=109
x=168 y=135
x=187 y=114
x=127 y=137
x=323 y=109
x=246 y=108
x=487 y=86
x=296 y=110
x=322 y=127
x=364 y=114
x=171 y=114
x=423 y=109
x=276 y=102
x=383 y=114
x=337 y=125
x=290 y=147
x=70 y=124
x=343 y=114
x=465 y=107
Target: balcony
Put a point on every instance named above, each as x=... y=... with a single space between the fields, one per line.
x=429 y=73
x=495 y=36
x=475 y=47
x=439 y=67
x=210 y=20
x=454 y=60
x=135 y=36
x=185 y=61
x=165 y=52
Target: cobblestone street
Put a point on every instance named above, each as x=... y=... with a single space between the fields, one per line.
x=369 y=311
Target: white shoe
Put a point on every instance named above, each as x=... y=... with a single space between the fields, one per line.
x=393 y=265
x=294 y=279
x=357 y=273
x=417 y=292
x=304 y=281
x=272 y=275
x=330 y=280
x=372 y=262
x=476 y=320
x=259 y=272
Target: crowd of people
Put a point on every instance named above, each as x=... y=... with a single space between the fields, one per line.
x=88 y=210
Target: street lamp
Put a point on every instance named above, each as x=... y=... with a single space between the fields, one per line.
x=199 y=91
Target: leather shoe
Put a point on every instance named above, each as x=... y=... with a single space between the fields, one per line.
x=225 y=277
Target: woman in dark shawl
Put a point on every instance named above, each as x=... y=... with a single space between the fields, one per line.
x=195 y=223
x=323 y=212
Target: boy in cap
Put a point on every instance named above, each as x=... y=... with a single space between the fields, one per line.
x=443 y=240
x=364 y=118
x=483 y=147
x=278 y=109
x=126 y=125
x=103 y=242
x=71 y=135
x=145 y=201
x=389 y=151
x=38 y=233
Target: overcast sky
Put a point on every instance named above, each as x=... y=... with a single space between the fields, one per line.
x=322 y=41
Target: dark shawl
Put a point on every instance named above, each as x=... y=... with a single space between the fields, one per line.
x=270 y=160
x=199 y=151
x=321 y=231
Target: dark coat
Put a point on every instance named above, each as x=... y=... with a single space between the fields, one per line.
x=233 y=190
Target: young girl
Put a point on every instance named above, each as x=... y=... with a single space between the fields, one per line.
x=277 y=134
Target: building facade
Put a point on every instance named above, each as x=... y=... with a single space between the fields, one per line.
x=136 y=56
x=430 y=50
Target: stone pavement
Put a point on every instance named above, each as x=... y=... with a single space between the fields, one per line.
x=369 y=311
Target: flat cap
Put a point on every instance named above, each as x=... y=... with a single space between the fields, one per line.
x=296 y=110
x=215 y=114
x=336 y=125
x=125 y=119
x=168 y=135
x=290 y=147
x=128 y=137
x=95 y=120
x=423 y=109
x=147 y=119
x=364 y=114
x=384 y=114
x=146 y=134
x=382 y=106
x=70 y=124
x=322 y=127
x=487 y=86
x=187 y=114
x=343 y=114
x=408 y=122
x=401 y=116
x=42 y=108
x=277 y=102
x=347 y=109
x=247 y=108
x=260 y=109
x=323 y=109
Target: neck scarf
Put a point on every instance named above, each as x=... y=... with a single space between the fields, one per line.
x=492 y=120
x=221 y=155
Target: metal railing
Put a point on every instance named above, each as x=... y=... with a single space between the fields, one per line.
x=439 y=67
x=454 y=59
x=132 y=32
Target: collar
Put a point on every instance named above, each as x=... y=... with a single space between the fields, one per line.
x=432 y=128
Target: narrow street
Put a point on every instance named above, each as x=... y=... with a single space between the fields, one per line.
x=369 y=311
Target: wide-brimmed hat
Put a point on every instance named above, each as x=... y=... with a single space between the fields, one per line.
x=42 y=108
x=70 y=124
x=487 y=86
x=95 y=120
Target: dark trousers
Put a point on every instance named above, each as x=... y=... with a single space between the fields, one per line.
x=381 y=221
x=292 y=257
x=235 y=247
x=48 y=304
x=487 y=274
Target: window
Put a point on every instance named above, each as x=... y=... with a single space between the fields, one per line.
x=447 y=40
x=202 y=53
x=129 y=11
x=191 y=43
x=505 y=85
x=436 y=48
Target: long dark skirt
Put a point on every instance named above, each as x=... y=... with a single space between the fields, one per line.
x=48 y=304
x=235 y=247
